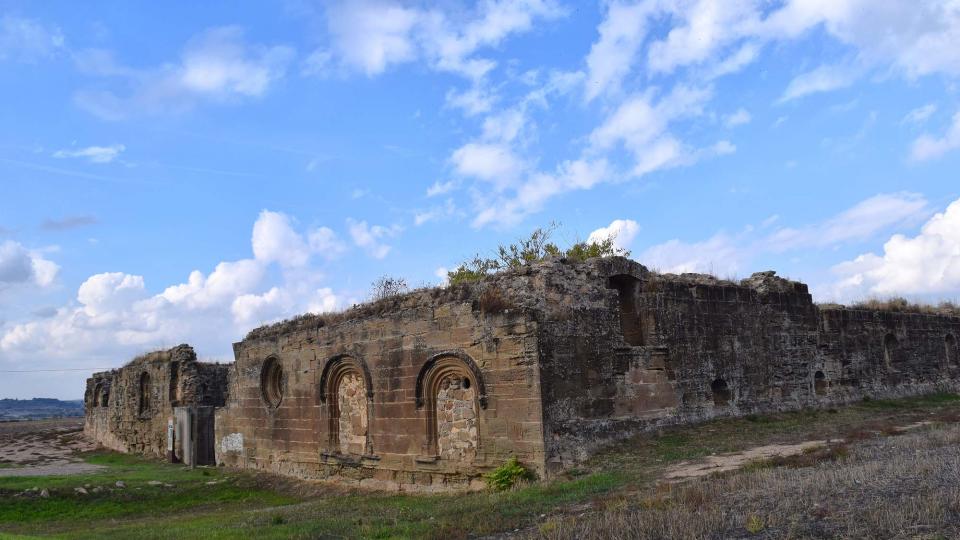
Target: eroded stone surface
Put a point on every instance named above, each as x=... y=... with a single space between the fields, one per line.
x=352 y=403
x=564 y=357
x=456 y=420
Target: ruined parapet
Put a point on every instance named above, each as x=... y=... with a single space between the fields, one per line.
x=128 y=409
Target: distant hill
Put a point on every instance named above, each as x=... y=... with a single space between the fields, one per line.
x=38 y=408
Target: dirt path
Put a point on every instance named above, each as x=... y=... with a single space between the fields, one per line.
x=736 y=460
x=44 y=448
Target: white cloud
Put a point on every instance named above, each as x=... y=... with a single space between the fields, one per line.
x=103 y=293
x=532 y=193
x=641 y=125
x=473 y=101
x=721 y=255
x=862 y=221
x=370 y=36
x=716 y=38
x=622 y=32
x=275 y=240
x=738 y=118
x=93 y=154
x=441 y=188
x=822 y=79
x=494 y=163
x=927 y=147
x=725 y=254
x=370 y=237
x=926 y=264
x=115 y=316
x=621 y=231
x=26 y=40
x=705 y=28
x=20 y=266
x=448 y=209
x=920 y=114
x=215 y=66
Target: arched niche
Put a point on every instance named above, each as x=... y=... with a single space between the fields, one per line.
x=631 y=325
x=819 y=383
x=451 y=392
x=347 y=390
x=950 y=346
x=144 y=403
x=890 y=344
x=721 y=392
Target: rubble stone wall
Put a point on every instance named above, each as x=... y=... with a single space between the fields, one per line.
x=127 y=409
x=633 y=350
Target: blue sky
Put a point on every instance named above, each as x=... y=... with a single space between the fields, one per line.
x=174 y=172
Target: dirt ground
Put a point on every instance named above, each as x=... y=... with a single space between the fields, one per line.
x=44 y=448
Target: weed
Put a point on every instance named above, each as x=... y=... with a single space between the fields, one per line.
x=492 y=301
x=507 y=475
x=754 y=524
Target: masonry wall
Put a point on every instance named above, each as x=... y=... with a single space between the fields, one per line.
x=546 y=362
x=422 y=392
x=127 y=409
x=624 y=350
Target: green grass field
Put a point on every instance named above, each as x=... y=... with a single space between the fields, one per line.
x=220 y=503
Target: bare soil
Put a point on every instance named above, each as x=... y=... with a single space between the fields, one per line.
x=44 y=448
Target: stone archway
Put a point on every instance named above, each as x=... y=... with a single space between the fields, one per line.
x=450 y=389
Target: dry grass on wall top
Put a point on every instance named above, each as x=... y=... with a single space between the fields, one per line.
x=900 y=305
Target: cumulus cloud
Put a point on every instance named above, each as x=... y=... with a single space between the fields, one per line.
x=370 y=237
x=27 y=40
x=217 y=65
x=490 y=162
x=927 y=147
x=925 y=264
x=115 y=315
x=21 y=266
x=93 y=154
x=621 y=231
x=274 y=239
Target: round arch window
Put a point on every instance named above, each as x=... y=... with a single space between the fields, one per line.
x=271 y=382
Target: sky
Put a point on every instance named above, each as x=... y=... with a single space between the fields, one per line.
x=184 y=172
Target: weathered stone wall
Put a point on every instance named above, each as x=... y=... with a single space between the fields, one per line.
x=127 y=409
x=371 y=398
x=627 y=350
x=547 y=362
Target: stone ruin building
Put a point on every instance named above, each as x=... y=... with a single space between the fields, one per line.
x=547 y=362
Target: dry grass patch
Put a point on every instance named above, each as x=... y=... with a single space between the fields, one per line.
x=899 y=487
